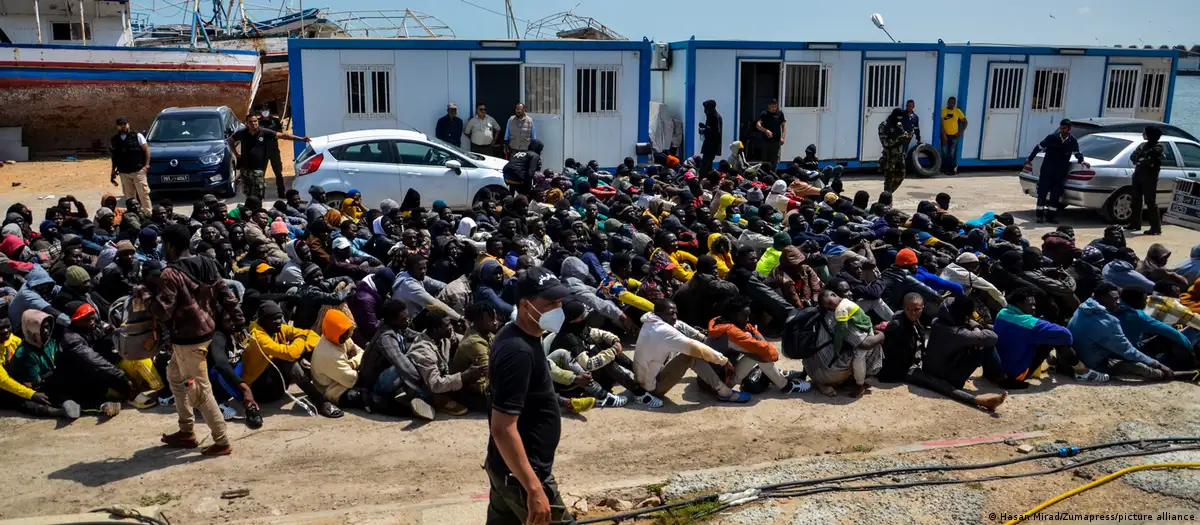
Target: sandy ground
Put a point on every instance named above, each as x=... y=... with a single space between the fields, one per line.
x=367 y=469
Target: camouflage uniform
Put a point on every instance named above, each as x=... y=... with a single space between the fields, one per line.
x=891 y=163
x=252 y=182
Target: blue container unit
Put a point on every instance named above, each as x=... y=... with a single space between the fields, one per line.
x=835 y=94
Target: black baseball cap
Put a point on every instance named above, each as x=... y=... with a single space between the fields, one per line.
x=121 y=121
x=542 y=283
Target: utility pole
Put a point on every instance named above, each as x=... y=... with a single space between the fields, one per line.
x=511 y=22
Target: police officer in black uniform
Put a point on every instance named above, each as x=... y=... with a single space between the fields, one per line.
x=522 y=167
x=273 y=123
x=130 y=160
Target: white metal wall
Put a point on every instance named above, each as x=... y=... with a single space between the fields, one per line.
x=107 y=30
x=1085 y=78
x=976 y=100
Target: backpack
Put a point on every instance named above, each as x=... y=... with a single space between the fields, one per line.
x=137 y=336
x=801 y=333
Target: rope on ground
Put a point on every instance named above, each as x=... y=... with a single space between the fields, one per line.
x=1097 y=483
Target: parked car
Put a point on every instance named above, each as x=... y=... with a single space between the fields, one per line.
x=1087 y=126
x=1105 y=185
x=386 y=163
x=189 y=150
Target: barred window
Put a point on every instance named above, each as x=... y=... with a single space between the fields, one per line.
x=543 y=90
x=806 y=86
x=1154 y=89
x=369 y=91
x=596 y=90
x=1049 y=89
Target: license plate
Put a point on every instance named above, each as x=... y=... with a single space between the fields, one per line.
x=1186 y=211
x=175 y=178
x=1190 y=201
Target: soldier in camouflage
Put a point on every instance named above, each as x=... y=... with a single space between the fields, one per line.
x=893 y=138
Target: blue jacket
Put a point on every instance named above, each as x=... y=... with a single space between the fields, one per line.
x=1019 y=336
x=1122 y=274
x=486 y=293
x=1099 y=337
x=1058 y=154
x=1135 y=323
x=937 y=283
x=27 y=299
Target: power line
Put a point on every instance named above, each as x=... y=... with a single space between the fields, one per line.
x=492 y=11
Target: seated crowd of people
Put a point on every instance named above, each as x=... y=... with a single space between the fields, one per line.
x=391 y=310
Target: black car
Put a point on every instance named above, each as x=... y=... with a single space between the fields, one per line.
x=1087 y=126
x=189 y=150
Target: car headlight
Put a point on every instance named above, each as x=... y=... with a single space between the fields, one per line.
x=214 y=178
x=212 y=158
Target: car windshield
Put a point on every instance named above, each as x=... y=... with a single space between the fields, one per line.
x=453 y=148
x=1101 y=147
x=186 y=128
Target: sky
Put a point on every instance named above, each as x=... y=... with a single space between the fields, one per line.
x=1083 y=22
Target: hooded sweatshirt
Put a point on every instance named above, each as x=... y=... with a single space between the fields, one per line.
x=1190 y=269
x=333 y=370
x=969 y=281
x=288 y=344
x=28 y=299
x=8 y=349
x=189 y=297
x=1019 y=335
x=490 y=293
x=658 y=342
x=724 y=336
x=1137 y=323
x=34 y=360
x=1099 y=337
x=1156 y=273
x=1122 y=274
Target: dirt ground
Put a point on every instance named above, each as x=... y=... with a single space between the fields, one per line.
x=368 y=469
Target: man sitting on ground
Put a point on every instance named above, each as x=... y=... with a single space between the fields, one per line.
x=386 y=370
x=1101 y=343
x=732 y=334
x=274 y=342
x=667 y=348
x=335 y=363
x=849 y=346
x=431 y=355
x=1025 y=341
x=957 y=346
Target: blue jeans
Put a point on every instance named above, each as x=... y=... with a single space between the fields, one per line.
x=950 y=153
x=389 y=383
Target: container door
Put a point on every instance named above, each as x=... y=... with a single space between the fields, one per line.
x=1121 y=91
x=805 y=88
x=883 y=91
x=543 y=89
x=1152 y=101
x=1002 y=119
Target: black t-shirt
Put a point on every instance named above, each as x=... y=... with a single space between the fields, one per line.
x=773 y=122
x=253 y=147
x=519 y=384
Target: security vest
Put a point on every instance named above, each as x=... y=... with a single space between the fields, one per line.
x=127 y=154
x=520 y=132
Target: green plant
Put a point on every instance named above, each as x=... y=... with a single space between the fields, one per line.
x=656 y=488
x=862 y=448
x=685 y=514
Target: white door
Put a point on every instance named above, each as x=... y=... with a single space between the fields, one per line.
x=1002 y=117
x=542 y=87
x=883 y=91
x=1152 y=102
x=423 y=168
x=1121 y=91
x=369 y=167
x=805 y=88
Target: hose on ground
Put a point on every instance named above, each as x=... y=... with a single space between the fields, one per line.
x=1095 y=484
x=779 y=490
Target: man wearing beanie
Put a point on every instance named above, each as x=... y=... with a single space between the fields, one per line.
x=273 y=341
x=901 y=280
x=368 y=297
x=770 y=258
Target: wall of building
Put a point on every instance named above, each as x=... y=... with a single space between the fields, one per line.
x=1082 y=99
x=106 y=20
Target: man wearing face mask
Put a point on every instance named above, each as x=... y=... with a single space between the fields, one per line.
x=525 y=423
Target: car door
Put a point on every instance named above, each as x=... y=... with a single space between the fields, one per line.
x=1189 y=157
x=369 y=166
x=422 y=167
x=1171 y=169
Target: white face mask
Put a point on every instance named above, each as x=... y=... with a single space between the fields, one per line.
x=551 y=321
x=266 y=113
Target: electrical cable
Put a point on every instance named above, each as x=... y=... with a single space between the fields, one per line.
x=778 y=490
x=1095 y=484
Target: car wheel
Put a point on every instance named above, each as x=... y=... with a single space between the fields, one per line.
x=229 y=189
x=1119 y=207
x=334 y=199
x=492 y=193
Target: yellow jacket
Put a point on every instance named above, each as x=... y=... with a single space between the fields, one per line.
x=7 y=383
x=679 y=257
x=289 y=344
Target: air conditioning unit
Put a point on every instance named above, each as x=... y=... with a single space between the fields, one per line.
x=661 y=59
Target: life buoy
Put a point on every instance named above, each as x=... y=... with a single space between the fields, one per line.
x=604 y=192
x=914 y=160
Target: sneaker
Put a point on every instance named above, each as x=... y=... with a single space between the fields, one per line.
x=254 y=419
x=421 y=409
x=329 y=410
x=217 y=450
x=72 y=409
x=796 y=387
x=613 y=401
x=649 y=400
x=580 y=405
x=227 y=412
x=735 y=397
x=110 y=409
x=455 y=409
x=180 y=440
x=1092 y=376
x=1153 y=231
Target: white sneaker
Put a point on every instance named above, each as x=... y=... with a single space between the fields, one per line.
x=72 y=409
x=228 y=413
x=649 y=400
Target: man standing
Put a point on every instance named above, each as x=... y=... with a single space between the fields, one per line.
x=1147 y=163
x=912 y=122
x=893 y=138
x=251 y=156
x=773 y=126
x=130 y=160
x=711 y=129
x=189 y=297
x=524 y=422
x=483 y=130
x=954 y=123
x=273 y=123
x=519 y=131
x=1052 y=178
x=450 y=127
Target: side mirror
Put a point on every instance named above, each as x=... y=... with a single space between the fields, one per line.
x=454 y=165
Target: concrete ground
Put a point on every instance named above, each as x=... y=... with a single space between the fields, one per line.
x=368 y=469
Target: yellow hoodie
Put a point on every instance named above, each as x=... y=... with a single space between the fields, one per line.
x=289 y=344
x=8 y=384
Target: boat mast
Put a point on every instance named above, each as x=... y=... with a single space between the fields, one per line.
x=82 y=24
x=37 y=16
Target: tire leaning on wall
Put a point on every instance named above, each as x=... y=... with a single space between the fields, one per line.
x=913 y=158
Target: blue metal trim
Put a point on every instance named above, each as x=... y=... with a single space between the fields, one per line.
x=964 y=89
x=737 y=92
x=689 y=113
x=992 y=162
x=90 y=47
x=792 y=46
x=1103 y=87
x=296 y=86
x=472 y=45
x=644 y=57
x=1171 y=87
x=938 y=93
x=82 y=75
x=1042 y=50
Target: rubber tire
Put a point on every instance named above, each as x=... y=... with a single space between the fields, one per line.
x=1113 y=206
x=912 y=159
x=334 y=199
x=494 y=190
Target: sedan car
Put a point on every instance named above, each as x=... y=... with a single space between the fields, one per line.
x=1105 y=186
x=386 y=163
x=1086 y=126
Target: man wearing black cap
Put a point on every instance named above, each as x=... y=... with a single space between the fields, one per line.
x=130 y=159
x=773 y=126
x=1059 y=147
x=524 y=421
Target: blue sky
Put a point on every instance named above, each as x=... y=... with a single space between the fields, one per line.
x=1084 y=22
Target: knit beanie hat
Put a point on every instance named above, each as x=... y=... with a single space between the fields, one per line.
x=906 y=257
x=278 y=228
x=77 y=277
x=268 y=309
x=781 y=240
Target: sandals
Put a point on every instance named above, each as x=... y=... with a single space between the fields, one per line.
x=735 y=397
x=329 y=410
x=1092 y=376
x=180 y=440
x=796 y=387
x=612 y=401
x=649 y=400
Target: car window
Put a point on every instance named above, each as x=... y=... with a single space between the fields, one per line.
x=185 y=128
x=1190 y=153
x=418 y=154
x=1168 y=155
x=1101 y=147
x=374 y=151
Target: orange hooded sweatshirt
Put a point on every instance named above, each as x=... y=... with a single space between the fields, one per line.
x=724 y=335
x=333 y=370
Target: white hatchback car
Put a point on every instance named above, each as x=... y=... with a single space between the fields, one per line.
x=1104 y=186
x=386 y=163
